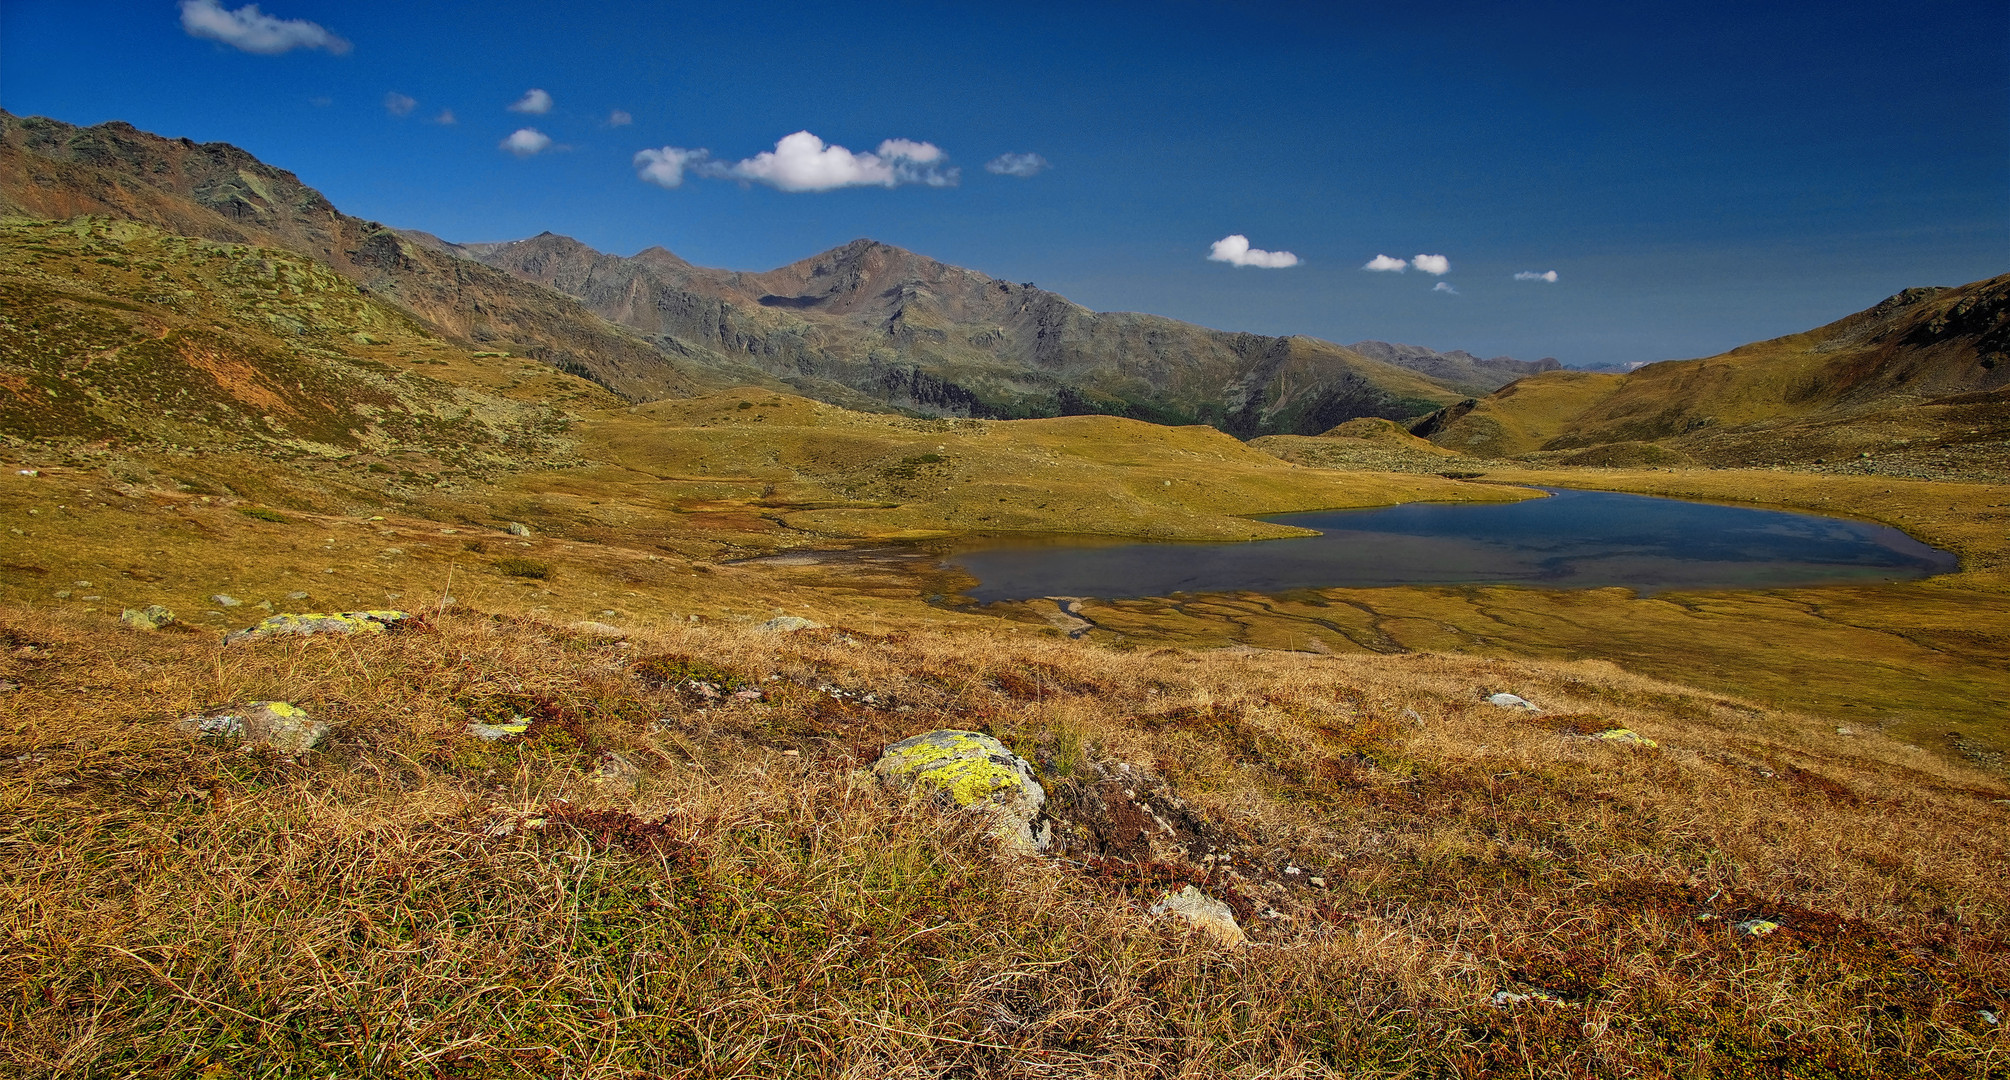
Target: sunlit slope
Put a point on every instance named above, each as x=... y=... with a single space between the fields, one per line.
x=828 y=471
x=53 y=170
x=114 y=333
x=1904 y=361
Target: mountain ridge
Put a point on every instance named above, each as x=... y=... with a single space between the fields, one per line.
x=1924 y=373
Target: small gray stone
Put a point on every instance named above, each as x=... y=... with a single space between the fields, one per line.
x=1204 y=912
x=151 y=617
x=1510 y=701
x=618 y=772
x=225 y=600
x=517 y=528
x=281 y=725
x=784 y=624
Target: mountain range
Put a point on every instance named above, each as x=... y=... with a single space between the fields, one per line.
x=865 y=325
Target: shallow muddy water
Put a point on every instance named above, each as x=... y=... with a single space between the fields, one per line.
x=1571 y=540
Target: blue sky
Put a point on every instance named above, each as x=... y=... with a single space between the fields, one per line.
x=1697 y=175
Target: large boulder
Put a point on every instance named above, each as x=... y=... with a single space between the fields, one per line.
x=333 y=622
x=281 y=725
x=970 y=769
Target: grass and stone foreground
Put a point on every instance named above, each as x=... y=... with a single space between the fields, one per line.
x=524 y=848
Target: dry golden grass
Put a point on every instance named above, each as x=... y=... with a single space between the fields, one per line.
x=410 y=901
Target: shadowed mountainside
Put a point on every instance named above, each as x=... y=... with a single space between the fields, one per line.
x=1924 y=375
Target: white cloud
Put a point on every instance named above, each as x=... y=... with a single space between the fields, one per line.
x=534 y=102
x=1020 y=165
x=525 y=142
x=665 y=167
x=1531 y=275
x=803 y=162
x=619 y=118
x=1385 y=263
x=1444 y=287
x=399 y=104
x=921 y=153
x=1436 y=265
x=254 y=31
x=1235 y=251
x=446 y=117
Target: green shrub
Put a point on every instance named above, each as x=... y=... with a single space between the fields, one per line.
x=523 y=568
x=263 y=514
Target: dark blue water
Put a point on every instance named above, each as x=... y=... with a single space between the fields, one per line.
x=1571 y=540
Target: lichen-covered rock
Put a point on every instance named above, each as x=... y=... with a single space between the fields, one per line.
x=784 y=624
x=493 y=732
x=1627 y=735
x=281 y=725
x=151 y=617
x=972 y=770
x=617 y=772
x=332 y=622
x=1204 y=912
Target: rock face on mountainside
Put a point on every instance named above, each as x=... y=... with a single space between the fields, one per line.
x=1920 y=381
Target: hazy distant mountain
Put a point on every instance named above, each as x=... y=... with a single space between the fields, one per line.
x=862 y=325
x=1458 y=368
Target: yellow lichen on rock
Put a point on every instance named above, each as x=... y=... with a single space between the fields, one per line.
x=970 y=769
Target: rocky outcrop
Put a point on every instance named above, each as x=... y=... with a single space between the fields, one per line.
x=336 y=622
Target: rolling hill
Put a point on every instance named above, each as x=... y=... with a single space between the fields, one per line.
x=1921 y=380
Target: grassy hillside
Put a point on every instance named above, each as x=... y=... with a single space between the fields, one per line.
x=215 y=191
x=1800 y=877
x=1922 y=380
x=648 y=883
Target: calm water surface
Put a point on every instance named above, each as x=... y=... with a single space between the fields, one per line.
x=1571 y=540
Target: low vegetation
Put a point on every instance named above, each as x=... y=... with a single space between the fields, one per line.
x=651 y=881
